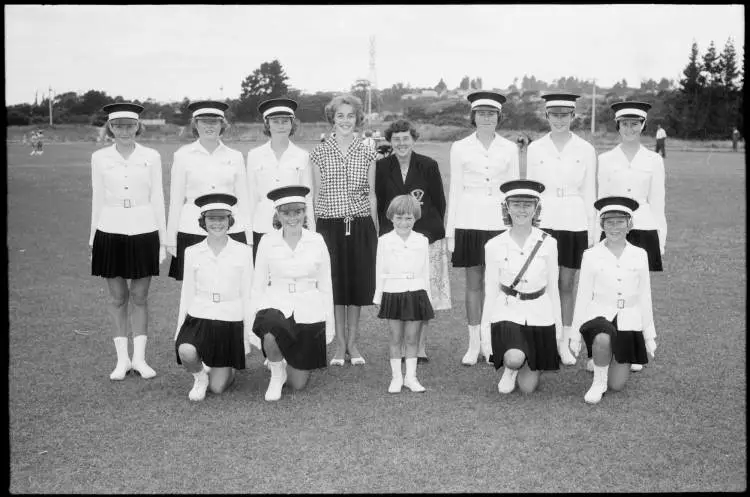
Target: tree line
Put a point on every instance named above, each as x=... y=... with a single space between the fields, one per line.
x=705 y=104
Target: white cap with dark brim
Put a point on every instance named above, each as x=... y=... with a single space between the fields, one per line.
x=288 y=194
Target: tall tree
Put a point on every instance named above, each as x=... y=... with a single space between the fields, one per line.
x=690 y=89
x=465 y=82
x=441 y=86
x=268 y=81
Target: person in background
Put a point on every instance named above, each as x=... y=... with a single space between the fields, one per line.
x=407 y=172
x=631 y=170
x=128 y=231
x=522 y=303
x=199 y=168
x=735 y=139
x=479 y=164
x=369 y=140
x=278 y=162
x=346 y=215
x=215 y=315
x=566 y=165
x=613 y=312
x=402 y=289
x=661 y=141
x=292 y=294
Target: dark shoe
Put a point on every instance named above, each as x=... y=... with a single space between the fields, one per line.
x=423 y=360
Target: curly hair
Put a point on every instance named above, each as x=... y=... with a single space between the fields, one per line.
x=346 y=99
x=534 y=219
x=401 y=126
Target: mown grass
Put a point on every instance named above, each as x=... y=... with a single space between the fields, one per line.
x=680 y=425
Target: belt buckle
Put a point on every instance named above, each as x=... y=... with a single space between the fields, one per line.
x=126 y=203
x=409 y=276
x=216 y=297
x=561 y=192
x=292 y=287
x=621 y=303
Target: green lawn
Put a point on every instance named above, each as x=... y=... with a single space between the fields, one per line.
x=680 y=425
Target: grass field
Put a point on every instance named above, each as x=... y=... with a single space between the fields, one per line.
x=680 y=425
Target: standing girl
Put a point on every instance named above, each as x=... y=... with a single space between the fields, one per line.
x=403 y=288
x=127 y=230
x=479 y=164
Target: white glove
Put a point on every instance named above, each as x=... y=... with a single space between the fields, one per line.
x=451 y=244
x=172 y=250
x=651 y=347
x=162 y=254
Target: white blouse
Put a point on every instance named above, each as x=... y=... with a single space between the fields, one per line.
x=643 y=180
x=196 y=172
x=295 y=281
x=218 y=286
x=265 y=172
x=402 y=265
x=504 y=261
x=127 y=196
x=474 y=197
x=569 y=178
x=611 y=287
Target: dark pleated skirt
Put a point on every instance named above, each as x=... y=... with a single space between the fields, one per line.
x=406 y=306
x=538 y=343
x=256 y=240
x=303 y=345
x=648 y=240
x=126 y=256
x=570 y=246
x=184 y=240
x=628 y=347
x=352 y=259
x=469 y=247
x=220 y=344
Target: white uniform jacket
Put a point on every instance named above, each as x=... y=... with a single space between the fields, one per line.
x=402 y=265
x=196 y=172
x=127 y=195
x=218 y=287
x=569 y=178
x=474 y=196
x=265 y=172
x=504 y=261
x=642 y=180
x=295 y=281
x=610 y=287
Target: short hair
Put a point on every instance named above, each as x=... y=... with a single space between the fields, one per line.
x=508 y=221
x=402 y=205
x=224 y=126
x=276 y=222
x=202 y=221
x=346 y=99
x=267 y=128
x=401 y=126
x=473 y=116
x=641 y=119
x=108 y=130
x=604 y=216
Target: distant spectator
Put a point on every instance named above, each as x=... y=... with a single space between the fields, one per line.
x=32 y=142
x=322 y=137
x=661 y=139
x=39 y=144
x=735 y=138
x=369 y=140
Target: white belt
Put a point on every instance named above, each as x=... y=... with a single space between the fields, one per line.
x=127 y=203
x=489 y=190
x=405 y=276
x=294 y=286
x=217 y=297
x=620 y=303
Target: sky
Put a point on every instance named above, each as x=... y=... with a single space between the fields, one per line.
x=168 y=52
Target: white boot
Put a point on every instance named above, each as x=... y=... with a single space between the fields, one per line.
x=566 y=356
x=636 y=367
x=198 y=392
x=590 y=365
x=598 y=386
x=123 y=361
x=278 y=378
x=410 y=378
x=139 y=358
x=485 y=343
x=397 y=379
x=507 y=382
x=471 y=356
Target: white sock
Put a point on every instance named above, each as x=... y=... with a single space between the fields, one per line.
x=396 y=368
x=139 y=348
x=121 y=346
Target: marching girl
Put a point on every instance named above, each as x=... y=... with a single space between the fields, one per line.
x=566 y=165
x=522 y=303
x=277 y=163
x=613 y=312
x=479 y=163
x=402 y=276
x=200 y=168
x=127 y=230
x=213 y=323
x=293 y=294
x=632 y=170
